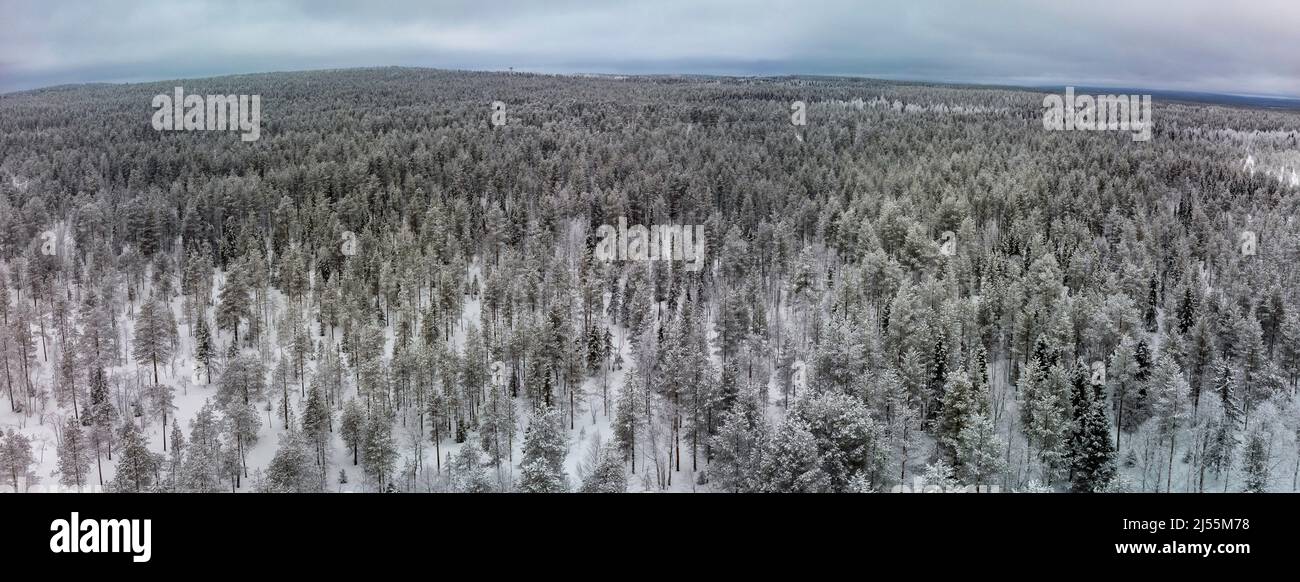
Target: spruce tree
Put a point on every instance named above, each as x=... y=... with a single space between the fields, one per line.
x=608 y=475
x=204 y=352
x=138 y=466
x=961 y=404
x=1092 y=458
x=541 y=469
x=176 y=460
x=625 y=417
x=1255 y=464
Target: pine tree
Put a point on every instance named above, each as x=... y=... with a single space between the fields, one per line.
x=1121 y=375
x=100 y=417
x=498 y=430
x=155 y=334
x=352 y=427
x=979 y=452
x=74 y=455
x=240 y=423
x=234 y=303
x=199 y=473
x=1044 y=414
x=161 y=400
x=735 y=451
x=316 y=423
x=625 y=417
x=242 y=381
x=1170 y=392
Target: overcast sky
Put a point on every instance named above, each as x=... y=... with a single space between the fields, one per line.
x=1231 y=46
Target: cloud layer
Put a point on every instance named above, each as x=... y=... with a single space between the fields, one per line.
x=1204 y=45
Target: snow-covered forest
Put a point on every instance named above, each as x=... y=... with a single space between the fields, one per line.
x=918 y=288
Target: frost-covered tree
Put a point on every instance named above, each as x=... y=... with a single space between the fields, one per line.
x=1256 y=463
x=138 y=468
x=541 y=468
x=604 y=470
x=293 y=469
x=468 y=473
x=176 y=459
x=16 y=458
x=979 y=452
x=352 y=427
x=155 y=334
x=1122 y=377
x=1170 y=393
x=204 y=352
x=242 y=381
x=200 y=472
x=849 y=442
x=233 y=306
x=626 y=425
x=380 y=450
x=791 y=463
x=1044 y=412
x=317 y=422
x=961 y=404
x=1092 y=457
x=74 y=455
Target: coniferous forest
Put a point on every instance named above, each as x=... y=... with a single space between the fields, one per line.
x=400 y=287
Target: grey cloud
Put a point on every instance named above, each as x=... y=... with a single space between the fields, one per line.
x=1166 y=44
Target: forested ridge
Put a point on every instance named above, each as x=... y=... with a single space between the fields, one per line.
x=389 y=292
